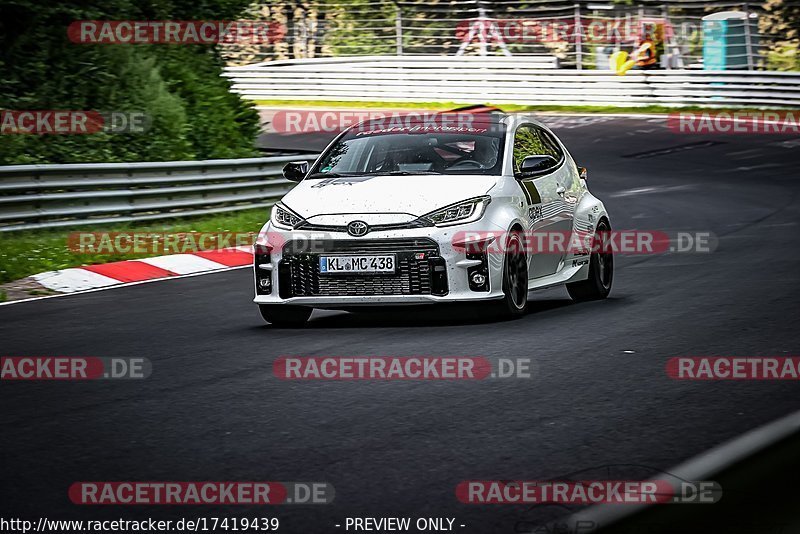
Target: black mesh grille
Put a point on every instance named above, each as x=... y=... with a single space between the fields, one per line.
x=299 y=273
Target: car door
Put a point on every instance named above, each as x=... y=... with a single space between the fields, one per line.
x=550 y=198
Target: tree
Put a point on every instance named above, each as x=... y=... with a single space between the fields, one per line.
x=780 y=30
x=193 y=113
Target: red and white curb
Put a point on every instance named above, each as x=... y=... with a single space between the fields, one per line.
x=159 y=267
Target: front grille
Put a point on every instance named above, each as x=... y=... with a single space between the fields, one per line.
x=299 y=274
x=416 y=223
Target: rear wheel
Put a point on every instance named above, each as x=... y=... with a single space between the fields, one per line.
x=515 y=279
x=285 y=316
x=601 y=271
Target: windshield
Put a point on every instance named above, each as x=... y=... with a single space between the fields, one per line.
x=414 y=150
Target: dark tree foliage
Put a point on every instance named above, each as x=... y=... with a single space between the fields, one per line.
x=194 y=114
x=779 y=26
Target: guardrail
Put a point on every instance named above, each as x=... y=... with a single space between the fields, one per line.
x=501 y=80
x=51 y=196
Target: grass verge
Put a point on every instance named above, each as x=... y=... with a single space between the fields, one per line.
x=29 y=252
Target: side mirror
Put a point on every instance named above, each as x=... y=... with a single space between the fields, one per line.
x=582 y=173
x=532 y=165
x=295 y=170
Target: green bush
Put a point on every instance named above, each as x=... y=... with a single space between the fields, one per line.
x=783 y=58
x=194 y=115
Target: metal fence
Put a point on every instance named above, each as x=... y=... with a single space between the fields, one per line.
x=579 y=33
x=73 y=195
x=528 y=80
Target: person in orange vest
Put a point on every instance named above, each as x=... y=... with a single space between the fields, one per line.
x=646 y=54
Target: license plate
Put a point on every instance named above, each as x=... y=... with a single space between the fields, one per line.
x=357 y=264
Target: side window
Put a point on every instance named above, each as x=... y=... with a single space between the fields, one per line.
x=532 y=141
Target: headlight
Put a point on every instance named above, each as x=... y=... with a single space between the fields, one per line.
x=283 y=217
x=464 y=212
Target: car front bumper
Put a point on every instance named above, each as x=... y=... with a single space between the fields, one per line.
x=294 y=280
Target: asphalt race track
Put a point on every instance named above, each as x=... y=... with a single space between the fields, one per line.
x=599 y=401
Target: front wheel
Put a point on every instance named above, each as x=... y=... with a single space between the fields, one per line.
x=285 y=316
x=601 y=270
x=515 y=279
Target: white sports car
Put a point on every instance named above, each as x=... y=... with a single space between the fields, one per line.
x=451 y=210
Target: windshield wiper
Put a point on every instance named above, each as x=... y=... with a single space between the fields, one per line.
x=402 y=173
x=374 y=173
x=330 y=175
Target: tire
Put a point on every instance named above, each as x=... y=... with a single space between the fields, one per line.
x=285 y=316
x=515 y=279
x=601 y=274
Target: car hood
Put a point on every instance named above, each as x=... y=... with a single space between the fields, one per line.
x=416 y=194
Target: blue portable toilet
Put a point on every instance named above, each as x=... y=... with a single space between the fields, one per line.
x=728 y=41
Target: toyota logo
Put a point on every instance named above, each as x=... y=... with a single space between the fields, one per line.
x=357 y=228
